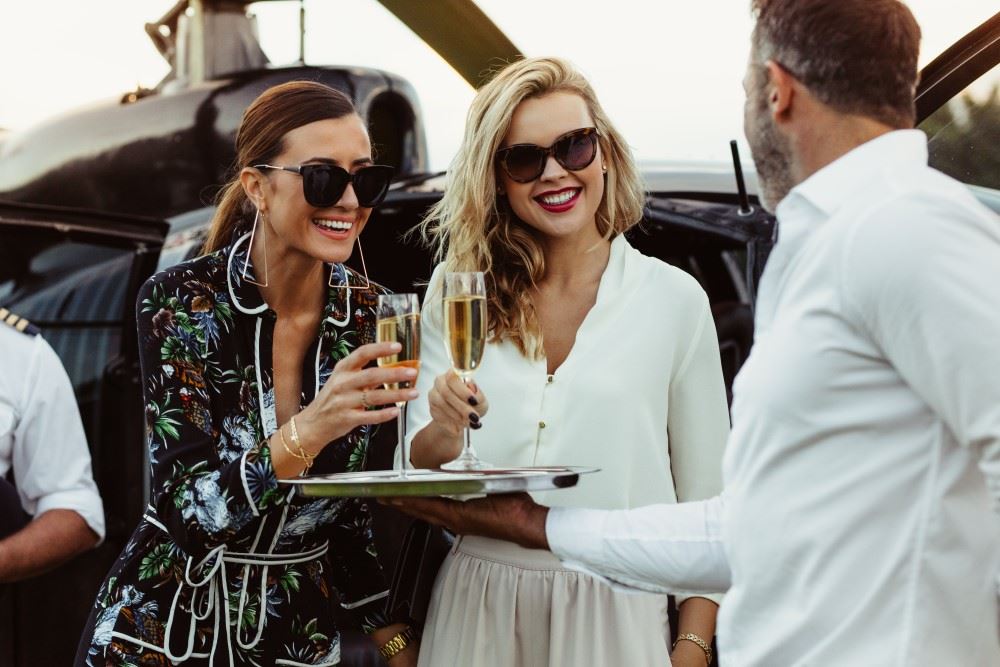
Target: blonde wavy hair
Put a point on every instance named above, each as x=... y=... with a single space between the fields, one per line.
x=474 y=230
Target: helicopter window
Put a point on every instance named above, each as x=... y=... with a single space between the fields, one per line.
x=75 y=292
x=962 y=133
x=392 y=125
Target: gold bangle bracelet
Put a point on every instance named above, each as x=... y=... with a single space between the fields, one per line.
x=300 y=456
x=308 y=458
x=701 y=643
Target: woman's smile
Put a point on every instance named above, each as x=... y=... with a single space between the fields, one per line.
x=336 y=228
x=558 y=201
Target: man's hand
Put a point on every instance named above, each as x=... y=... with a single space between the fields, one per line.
x=515 y=517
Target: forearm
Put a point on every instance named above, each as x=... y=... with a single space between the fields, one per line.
x=696 y=616
x=286 y=459
x=662 y=548
x=48 y=541
x=434 y=445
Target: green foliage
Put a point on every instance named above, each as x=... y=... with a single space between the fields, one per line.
x=964 y=139
x=157 y=562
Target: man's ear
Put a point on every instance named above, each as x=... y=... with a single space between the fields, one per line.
x=781 y=89
x=254 y=185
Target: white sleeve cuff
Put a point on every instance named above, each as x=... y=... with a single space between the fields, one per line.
x=84 y=502
x=659 y=548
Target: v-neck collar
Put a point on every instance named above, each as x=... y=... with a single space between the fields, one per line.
x=610 y=285
x=248 y=300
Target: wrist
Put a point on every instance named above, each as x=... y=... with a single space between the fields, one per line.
x=395 y=640
x=309 y=437
x=692 y=645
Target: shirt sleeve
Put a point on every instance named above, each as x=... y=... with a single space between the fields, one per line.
x=50 y=458
x=202 y=500
x=675 y=549
x=698 y=417
x=924 y=281
x=433 y=359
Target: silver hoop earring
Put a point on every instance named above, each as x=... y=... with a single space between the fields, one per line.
x=253 y=233
x=347 y=284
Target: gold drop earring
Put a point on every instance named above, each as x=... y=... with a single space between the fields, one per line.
x=364 y=270
x=253 y=233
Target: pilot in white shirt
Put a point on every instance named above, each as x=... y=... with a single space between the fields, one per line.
x=56 y=511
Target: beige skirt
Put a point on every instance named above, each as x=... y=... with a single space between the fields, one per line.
x=496 y=604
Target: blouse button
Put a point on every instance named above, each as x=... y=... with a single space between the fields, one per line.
x=541 y=424
x=551 y=378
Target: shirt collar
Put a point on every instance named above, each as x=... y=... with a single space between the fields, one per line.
x=834 y=185
x=244 y=293
x=248 y=299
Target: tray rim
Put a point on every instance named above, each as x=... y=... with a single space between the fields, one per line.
x=465 y=483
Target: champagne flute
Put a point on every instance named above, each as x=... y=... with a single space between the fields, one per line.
x=397 y=320
x=465 y=338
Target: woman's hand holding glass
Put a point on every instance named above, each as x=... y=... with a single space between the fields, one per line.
x=455 y=405
x=345 y=401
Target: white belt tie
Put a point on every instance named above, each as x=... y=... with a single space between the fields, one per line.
x=214 y=584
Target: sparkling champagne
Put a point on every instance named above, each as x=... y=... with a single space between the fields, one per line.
x=405 y=330
x=465 y=331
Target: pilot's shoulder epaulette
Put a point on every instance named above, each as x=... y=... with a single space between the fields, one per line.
x=18 y=322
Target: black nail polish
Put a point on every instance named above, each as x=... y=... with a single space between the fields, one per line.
x=472 y=401
x=475 y=425
x=473 y=417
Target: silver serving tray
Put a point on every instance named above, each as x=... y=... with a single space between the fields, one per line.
x=423 y=482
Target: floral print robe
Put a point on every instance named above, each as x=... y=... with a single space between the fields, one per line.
x=228 y=567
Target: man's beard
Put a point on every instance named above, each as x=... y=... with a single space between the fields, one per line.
x=771 y=153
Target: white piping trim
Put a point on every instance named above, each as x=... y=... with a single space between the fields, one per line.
x=361 y=603
x=229 y=281
x=246 y=484
x=147 y=645
x=282 y=661
x=217 y=590
x=319 y=347
x=243 y=596
x=155 y=522
x=347 y=306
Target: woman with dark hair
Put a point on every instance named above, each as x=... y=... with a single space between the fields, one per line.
x=255 y=368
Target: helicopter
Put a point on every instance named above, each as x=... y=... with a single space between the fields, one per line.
x=95 y=201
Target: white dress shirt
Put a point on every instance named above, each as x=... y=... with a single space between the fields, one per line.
x=856 y=522
x=640 y=396
x=41 y=435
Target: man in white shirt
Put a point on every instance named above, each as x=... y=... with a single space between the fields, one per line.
x=856 y=525
x=52 y=511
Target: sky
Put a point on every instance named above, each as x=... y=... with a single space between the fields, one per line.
x=667 y=72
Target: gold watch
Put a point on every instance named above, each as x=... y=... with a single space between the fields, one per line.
x=396 y=645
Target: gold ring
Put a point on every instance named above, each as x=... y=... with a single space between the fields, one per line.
x=364 y=399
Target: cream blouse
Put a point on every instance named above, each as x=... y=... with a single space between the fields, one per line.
x=640 y=396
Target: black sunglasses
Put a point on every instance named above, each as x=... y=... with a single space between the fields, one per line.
x=324 y=184
x=574 y=151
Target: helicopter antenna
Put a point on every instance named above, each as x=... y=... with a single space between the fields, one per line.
x=302 y=31
x=741 y=187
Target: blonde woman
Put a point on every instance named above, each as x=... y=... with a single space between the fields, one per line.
x=599 y=356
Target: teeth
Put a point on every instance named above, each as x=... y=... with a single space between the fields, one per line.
x=561 y=198
x=336 y=225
